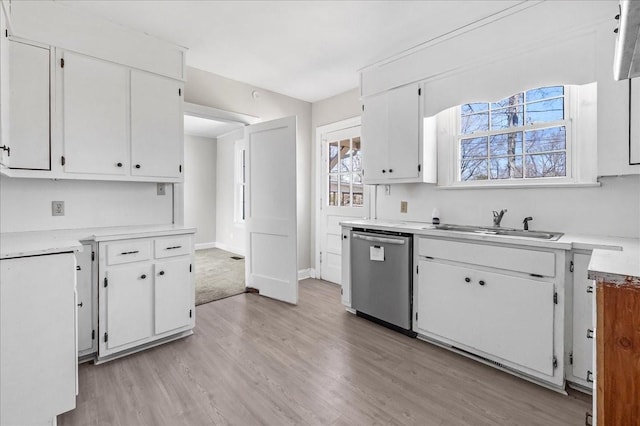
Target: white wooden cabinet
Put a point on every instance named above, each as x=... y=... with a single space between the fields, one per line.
x=501 y=303
x=146 y=293
x=393 y=148
x=86 y=302
x=95 y=105
x=582 y=326
x=38 y=353
x=25 y=94
x=156 y=125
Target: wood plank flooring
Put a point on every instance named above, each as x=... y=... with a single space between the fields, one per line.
x=256 y=361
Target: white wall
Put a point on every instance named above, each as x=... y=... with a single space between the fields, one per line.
x=200 y=187
x=230 y=234
x=212 y=90
x=25 y=204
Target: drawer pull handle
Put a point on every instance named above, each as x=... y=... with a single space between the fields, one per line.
x=481 y=282
x=143 y=276
x=467 y=280
x=130 y=252
x=161 y=272
x=589 y=378
x=173 y=247
x=589 y=334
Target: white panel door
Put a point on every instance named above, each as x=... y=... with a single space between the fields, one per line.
x=344 y=196
x=271 y=226
x=28 y=108
x=95 y=98
x=129 y=303
x=156 y=125
x=173 y=298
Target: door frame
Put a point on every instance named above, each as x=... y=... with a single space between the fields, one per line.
x=319 y=170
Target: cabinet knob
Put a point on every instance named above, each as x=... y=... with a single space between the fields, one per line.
x=143 y=276
x=119 y=164
x=80 y=304
x=481 y=282
x=390 y=170
x=467 y=280
x=137 y=166
x=344 y=237
x=384 y=171
x=161 y=272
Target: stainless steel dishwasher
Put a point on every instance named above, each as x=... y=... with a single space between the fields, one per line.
x=381 y=277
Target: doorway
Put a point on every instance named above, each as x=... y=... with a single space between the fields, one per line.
x=343 y=196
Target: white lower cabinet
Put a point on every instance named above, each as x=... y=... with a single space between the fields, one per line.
x=582 y=327
x=144 y=297
x=510 y=317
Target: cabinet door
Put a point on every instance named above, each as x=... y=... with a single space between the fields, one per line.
x=508 y=317
x=404 y=132
x=174 y=295
x=95 y=97
x=28 y=135
x=156 y=126
x=375 y=131
x=129 y=305
x=582 y=318
x=85 y=298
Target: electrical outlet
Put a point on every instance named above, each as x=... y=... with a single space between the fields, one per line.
x=403 y=206
x=161 y=189
x=57 y=208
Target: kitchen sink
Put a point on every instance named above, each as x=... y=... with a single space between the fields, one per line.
x=488 y=230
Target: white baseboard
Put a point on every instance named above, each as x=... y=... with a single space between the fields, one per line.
x=305 y=273
x=221 y=246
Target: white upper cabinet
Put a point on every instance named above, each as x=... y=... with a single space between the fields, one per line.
x=95 y=99
x=26 y=137
x=156 y=126
x=393 y=149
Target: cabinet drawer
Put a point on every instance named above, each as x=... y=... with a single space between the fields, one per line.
x=128 y=251
x=172 y=246
x=508 y=258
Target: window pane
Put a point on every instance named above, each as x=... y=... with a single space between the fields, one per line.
x=544 y=93
x=506 y=167
x=357 y=178
x=473 y=169
x=345 y=197
x=506 y=117
x=506 y=144
x=356 y=155
x=345 y=155
x=333 y=190
x=551 y=139
x=518 y=98
x=550 y=110
x=546 y=165
x=476 y=147
x=474 y=123
x=358 y=193
x=345 y=179
x=333 y=157
x=473 y=108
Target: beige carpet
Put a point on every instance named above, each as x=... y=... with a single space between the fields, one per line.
x=218 y=275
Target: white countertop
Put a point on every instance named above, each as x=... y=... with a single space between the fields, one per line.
x=33 y=243
x=610 y=254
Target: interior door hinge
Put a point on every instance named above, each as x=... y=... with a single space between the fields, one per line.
x=419 y=92
x=555 y=362
x=93 y=256
x=320 y=257
x=180 y=168
x=63 y=161
x=105 y=281
x=179 y=92
x=419 y=167
x=190 y=313
x=555 y=297
x=571 y=358
x=342 y=291
x=190 y=267
x=106 y=337
x=416 y=316
x=93 y=335
x=571 y=266
x=363 y=107
x=417 y=269
x=61 y=62
x=6 y=33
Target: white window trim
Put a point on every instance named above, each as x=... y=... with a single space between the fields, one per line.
x=581 y=171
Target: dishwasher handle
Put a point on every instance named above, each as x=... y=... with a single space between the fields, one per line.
x=379 y=239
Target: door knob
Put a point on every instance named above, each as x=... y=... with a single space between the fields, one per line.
x=161 y=272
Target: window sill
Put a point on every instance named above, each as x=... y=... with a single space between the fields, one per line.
x=519 y=185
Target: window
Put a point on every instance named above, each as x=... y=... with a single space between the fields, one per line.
x=524 y=136
x=344 y=173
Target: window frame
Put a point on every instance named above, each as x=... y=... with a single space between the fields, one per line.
x=570 y=113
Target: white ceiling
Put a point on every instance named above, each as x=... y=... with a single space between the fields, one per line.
x=310 y=50
x=206 y=127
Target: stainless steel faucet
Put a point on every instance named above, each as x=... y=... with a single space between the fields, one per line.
x=497 y=217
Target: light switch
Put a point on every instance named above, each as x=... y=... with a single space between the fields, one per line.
x=161 y=189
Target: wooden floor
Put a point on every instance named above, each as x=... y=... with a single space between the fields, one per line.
x=253 y=360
